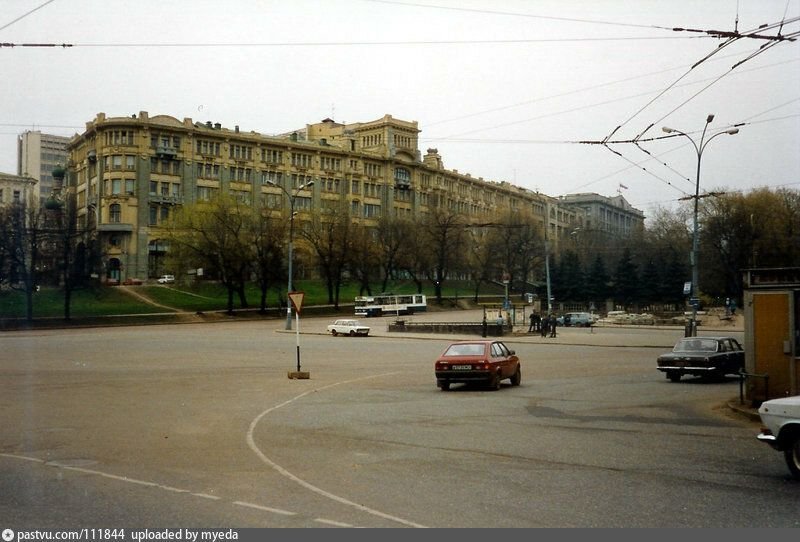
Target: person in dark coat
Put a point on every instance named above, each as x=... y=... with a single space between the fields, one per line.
x=536 y=322
x=545 y=326
x=552 y=324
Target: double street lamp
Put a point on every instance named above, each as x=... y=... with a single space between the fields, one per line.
x=694 y=291
x=292 y=197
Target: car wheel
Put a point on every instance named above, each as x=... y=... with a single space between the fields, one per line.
x=517 y=377
x=445 y=386
x=792 y=455
x=673 y=376
x=334 y=332
x=352 y=333
x=494 y=383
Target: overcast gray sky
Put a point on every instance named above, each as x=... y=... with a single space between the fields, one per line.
x=505 y=89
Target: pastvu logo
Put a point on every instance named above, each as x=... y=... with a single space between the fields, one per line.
x=8 y=535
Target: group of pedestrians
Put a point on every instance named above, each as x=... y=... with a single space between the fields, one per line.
x=545 y=325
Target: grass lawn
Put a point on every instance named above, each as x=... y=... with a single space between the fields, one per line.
x=203 y=296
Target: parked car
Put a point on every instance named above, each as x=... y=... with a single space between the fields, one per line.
x=576 y=319
x=702 y=356
x=348 y=327
x=482 y=361
x=781 y=419
x=166 y=279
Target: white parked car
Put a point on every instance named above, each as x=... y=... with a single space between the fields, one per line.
x=348 y=327
x=781 y=419
x=166 y=279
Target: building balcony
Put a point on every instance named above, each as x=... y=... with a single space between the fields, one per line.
x=166 y=200
x=163 y=151
x=115 y=227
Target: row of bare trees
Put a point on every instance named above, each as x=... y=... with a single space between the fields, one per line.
x=237 y=244
x=738 y=231
x=42 y=245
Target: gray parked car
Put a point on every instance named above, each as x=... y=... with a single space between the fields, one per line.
x=576 y=319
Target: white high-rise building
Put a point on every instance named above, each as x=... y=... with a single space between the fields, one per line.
x=37 y=155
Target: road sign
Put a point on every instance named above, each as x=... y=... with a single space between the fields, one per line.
x=297 y=300
x=687 y=288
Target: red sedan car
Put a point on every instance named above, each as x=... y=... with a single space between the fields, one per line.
x=481 y=361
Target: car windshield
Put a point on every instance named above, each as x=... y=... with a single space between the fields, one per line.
x=465 y=350
x=696 y=345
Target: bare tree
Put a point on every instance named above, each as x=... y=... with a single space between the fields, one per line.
x=267 y=234
x=214 y=235
x=444 y=233
x=328 y=235
x=393 y=235
x=23 y=239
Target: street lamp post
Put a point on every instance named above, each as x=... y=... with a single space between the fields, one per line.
x=694 y=292
x=292 y=197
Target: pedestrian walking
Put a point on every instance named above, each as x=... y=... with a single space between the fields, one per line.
x=553 y=323
x=545 y=325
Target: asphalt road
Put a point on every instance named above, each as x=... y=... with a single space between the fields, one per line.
x=198 y=425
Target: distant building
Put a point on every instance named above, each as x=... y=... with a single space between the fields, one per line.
x=610 y=215
x=17 y=189
x=37 y=155
x=130 y=173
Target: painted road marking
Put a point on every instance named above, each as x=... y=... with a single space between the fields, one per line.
x=251 y=442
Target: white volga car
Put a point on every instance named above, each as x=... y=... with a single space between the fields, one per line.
x=348 y=327
x=781 y=420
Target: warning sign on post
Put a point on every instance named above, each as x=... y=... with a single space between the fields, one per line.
x=297 y=300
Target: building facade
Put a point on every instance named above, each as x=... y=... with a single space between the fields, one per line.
x=17 y=189
x=129 y=174
x=610 y=215
x=37 y=155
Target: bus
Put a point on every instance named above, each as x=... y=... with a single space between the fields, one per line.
x=388 y=304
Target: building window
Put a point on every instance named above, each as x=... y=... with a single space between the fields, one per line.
x=272 y=201
x=153 y=215
x=208 y=171
x=300 y=180
x=372 y=211
x=329 y=184
x=268 y=177
x=129 y=186
x=240 y=174
x=116 y=186
x=272 y=156
x=331 y=164
x=211 y=148
x=164 y=213
x=241 y=152
x=206 y=193
x=301 y=160
x=115 y=213
x=302 y=204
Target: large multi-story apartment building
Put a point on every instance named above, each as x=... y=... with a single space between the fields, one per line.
x=37 y=155
x=130 y=173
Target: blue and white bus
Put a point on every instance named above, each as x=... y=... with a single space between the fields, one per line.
x=389 y=304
